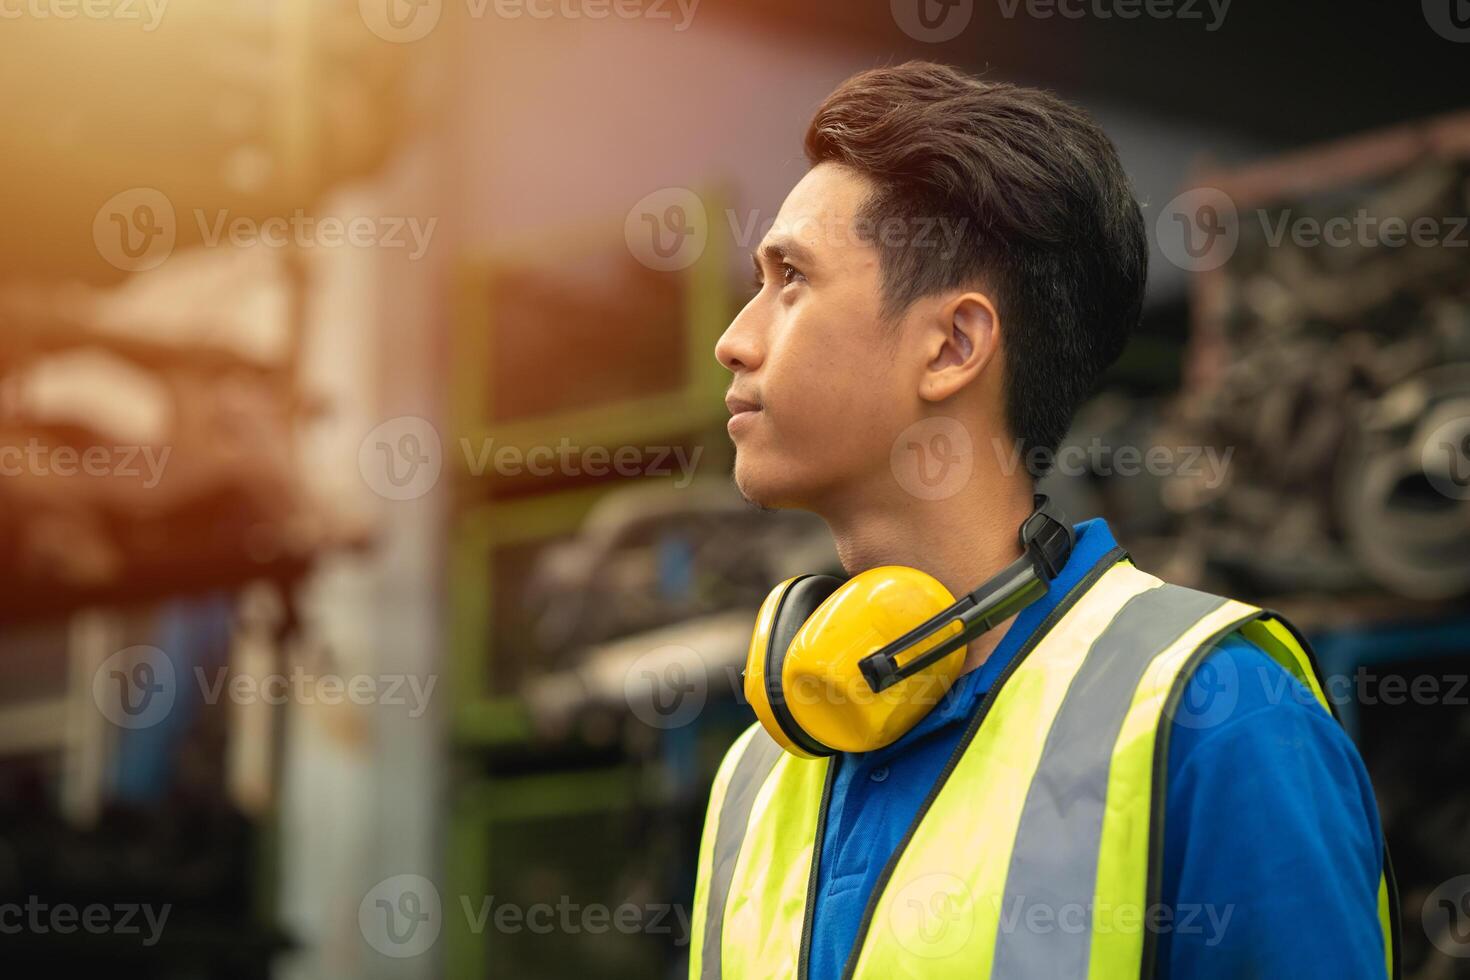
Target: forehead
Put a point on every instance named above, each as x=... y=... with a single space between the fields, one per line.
x=820 y=211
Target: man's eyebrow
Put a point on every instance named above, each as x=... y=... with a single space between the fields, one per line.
x=781 y=249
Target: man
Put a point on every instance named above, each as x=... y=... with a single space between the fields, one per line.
x=1123 y=778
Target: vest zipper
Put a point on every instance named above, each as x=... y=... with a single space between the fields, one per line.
x=811 y=883
x=1097 y=571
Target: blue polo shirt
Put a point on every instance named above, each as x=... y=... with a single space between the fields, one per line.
x=1272 y=849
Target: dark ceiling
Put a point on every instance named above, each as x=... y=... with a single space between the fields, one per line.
x=1288 y=72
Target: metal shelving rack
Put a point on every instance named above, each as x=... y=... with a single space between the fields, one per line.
x=486 y=720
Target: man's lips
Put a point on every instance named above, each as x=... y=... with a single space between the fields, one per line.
x=739 y=405
x=743 y=411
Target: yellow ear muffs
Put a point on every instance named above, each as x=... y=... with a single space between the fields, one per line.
x=783 y=613
x=802 y=675
x=850 y=666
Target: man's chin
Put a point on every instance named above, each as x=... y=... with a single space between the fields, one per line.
x=752 y=491
x=766 y=491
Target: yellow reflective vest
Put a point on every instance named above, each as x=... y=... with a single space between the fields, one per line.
x=1053 y=801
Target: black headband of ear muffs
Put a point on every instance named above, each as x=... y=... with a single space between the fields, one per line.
x=1047 y=540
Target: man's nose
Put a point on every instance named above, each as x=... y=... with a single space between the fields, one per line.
x=739 y=347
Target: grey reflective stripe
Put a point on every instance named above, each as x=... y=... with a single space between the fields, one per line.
x=1054 y=862
x=756 y=763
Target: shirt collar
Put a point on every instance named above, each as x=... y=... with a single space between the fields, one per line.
x=1094 y=541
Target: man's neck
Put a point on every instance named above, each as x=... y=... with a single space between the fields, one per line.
x=961 y=541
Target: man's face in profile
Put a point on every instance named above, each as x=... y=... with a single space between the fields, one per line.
x=809 y=352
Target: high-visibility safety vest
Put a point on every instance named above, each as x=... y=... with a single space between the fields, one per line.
x=1038 y=852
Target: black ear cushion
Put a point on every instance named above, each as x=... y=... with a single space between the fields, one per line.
x=797 y=604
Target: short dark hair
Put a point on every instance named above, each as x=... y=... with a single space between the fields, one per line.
x=1048 y=219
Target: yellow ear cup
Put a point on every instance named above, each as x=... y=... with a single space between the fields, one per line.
x=781 y=616
x=824 y=690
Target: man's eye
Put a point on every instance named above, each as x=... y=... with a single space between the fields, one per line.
x=789 y=275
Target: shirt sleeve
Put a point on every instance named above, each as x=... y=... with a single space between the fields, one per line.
x=1272 y=846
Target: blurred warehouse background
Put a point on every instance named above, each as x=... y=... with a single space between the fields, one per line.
x=369 y=563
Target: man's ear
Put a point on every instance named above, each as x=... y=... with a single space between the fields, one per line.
x=961 y=341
